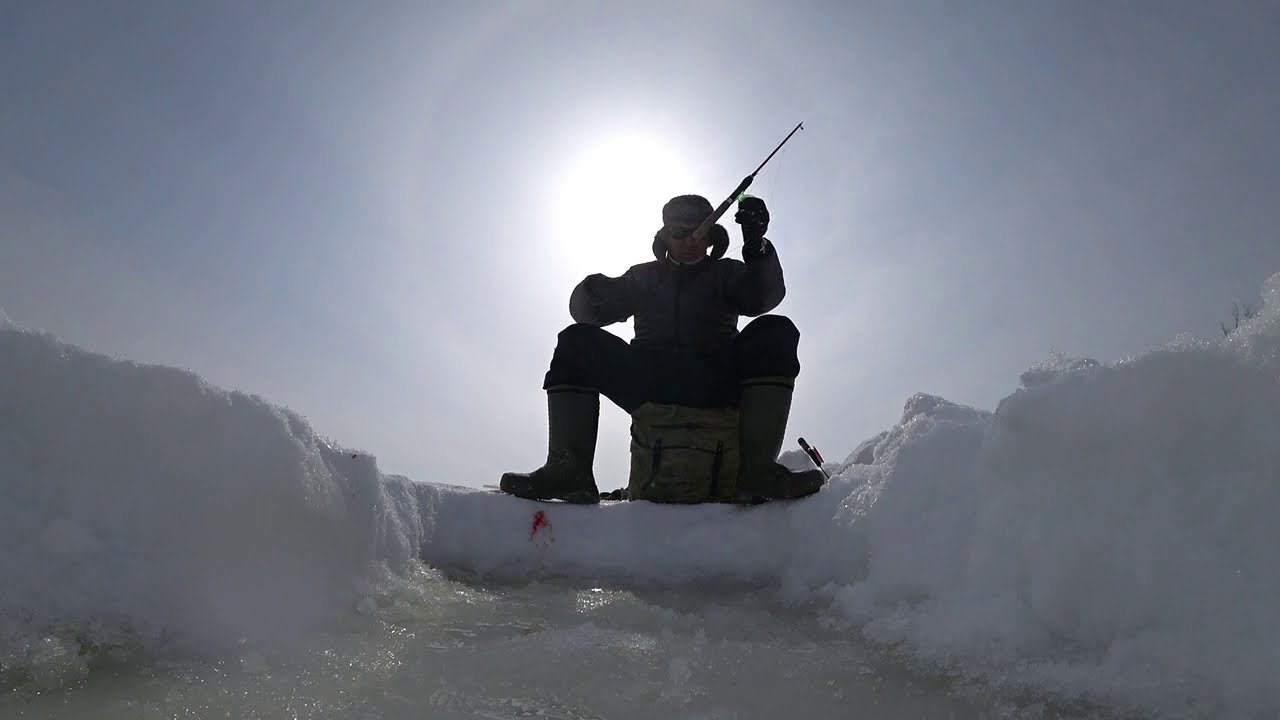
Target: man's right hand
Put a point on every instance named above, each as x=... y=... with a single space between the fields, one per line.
x=591 y=284
x=584 y=303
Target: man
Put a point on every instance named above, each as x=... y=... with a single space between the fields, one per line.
x=687 y=351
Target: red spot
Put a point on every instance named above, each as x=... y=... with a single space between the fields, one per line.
x=540 y=521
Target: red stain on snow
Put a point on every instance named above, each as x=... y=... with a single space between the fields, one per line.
x=540 y=522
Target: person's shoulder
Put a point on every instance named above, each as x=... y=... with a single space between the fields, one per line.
x=645 y=268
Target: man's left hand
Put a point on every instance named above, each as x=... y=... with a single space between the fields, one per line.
x=753 y=216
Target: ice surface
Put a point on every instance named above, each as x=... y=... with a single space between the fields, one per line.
x=1104 y=534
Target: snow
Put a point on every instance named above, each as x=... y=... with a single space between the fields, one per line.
x=1103 y=534
x=140 y=504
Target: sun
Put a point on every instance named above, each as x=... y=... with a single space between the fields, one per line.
x=608 y=202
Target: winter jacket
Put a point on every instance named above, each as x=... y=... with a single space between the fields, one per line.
x=691 y=308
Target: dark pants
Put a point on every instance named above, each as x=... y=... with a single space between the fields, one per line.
x=631 y=375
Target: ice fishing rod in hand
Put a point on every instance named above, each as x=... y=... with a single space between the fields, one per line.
x=737 y=193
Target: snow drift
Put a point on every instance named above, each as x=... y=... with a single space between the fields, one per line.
x=140 y=505
x=1103 y=534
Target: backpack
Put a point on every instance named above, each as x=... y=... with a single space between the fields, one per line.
x=682 y=454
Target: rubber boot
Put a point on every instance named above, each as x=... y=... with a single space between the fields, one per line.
x=573 y=418
x=763 y=409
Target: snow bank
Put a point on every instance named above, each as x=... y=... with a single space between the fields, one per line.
x=1107 y=532
x=1258 y=339
x=140 y=505
x=630 y=543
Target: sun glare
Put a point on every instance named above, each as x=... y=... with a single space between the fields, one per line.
x=608 y=203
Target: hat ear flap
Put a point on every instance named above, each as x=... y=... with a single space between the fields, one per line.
x=660 y=244
x=719 y=241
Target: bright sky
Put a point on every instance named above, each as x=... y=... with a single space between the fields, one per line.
x=373 y=213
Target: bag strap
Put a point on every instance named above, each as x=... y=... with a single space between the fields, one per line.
x=715 y=469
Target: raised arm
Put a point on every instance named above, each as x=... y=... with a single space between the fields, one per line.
x=756 y=286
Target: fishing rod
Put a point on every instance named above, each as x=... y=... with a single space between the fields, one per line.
x=737 y=193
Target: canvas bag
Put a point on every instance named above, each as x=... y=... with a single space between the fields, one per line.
x=682 y=454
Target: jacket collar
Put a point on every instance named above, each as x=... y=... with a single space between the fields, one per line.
x=701 y=264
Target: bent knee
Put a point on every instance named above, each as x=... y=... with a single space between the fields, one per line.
x=580 y=335
x=579 y=330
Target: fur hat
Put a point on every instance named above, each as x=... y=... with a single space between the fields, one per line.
x=686 y=209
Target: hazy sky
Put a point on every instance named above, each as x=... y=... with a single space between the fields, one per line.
x=373 y=213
